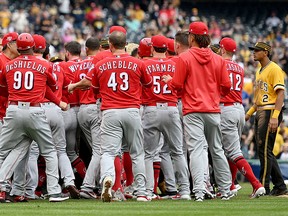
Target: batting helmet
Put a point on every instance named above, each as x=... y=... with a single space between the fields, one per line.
x=144 y=49
x=25 y=41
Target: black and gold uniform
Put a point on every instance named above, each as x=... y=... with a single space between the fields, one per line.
x=268 y=84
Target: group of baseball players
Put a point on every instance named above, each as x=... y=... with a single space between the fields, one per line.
x=170 y=107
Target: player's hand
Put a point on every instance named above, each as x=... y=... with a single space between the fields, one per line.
x=71 y=88
x=273 y=125
x=63 y=106
x=247 y=117
x=166 y=78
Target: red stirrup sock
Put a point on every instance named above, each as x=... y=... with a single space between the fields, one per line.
x=127 y=164
x=156 y=167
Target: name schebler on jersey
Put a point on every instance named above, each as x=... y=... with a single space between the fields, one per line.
x=118 y=65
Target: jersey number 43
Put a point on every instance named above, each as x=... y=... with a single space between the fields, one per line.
x=112 y=82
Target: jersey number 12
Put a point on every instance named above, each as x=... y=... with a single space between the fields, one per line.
x=235 y=81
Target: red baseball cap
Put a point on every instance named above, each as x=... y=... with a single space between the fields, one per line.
x=170 y=45
x=117 y=28
x=228 y=44
x=11 y=36
x=159 y=41
x=40 y=41
x=198 y=28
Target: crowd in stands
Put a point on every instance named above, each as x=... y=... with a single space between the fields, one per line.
x=61 y=21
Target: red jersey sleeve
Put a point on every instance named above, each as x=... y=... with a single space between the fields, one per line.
x=51 y=96
x=95 y=82
x=3 y=82
x=51 y=82
x=146 y=78
x=90 y=73
x=225 y=82
x=66 y=82
x=179 y=76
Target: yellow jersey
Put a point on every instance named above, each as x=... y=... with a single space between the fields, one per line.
x=268 y=80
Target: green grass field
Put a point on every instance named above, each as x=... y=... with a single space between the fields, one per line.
x=240 y=205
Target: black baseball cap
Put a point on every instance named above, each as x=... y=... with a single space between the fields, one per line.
x=261 y=46
x=55 y=59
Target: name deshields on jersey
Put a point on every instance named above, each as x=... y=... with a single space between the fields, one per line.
x=27 y=65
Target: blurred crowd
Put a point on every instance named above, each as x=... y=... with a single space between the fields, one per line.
x=62 y=21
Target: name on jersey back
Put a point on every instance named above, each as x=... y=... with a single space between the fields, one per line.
x=118 y=65
x=27 y=65
x=160 y=68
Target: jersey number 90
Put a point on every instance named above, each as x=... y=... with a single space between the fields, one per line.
x=23 y=79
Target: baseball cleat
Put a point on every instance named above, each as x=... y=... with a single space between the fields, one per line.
x=129 y=192
x=4 y=197
x=238 y=187
x=234 y=190
x=88 y=194
x=258 y=192
x=57 y=198
x=278 y=192
x=185 y=197
x=16 y=198
x=199 y=199
x=118 y=196
x=227 y=196
x=156 y=197
x=73 y=191
x=143 y=199
x=106 y=195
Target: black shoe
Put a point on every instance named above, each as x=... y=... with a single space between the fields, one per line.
x=278 y=192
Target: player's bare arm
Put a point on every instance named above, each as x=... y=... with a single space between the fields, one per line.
x=273 y=123
x=82 y=84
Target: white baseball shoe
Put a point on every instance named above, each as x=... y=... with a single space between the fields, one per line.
x=143 y=198
x=118 y=195
x=57 y=198
x=258 y=192
x=106 y=194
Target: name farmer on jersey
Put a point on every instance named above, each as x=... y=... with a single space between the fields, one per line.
x=160 y=68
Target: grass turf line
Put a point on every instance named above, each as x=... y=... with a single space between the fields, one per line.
x=240 y=205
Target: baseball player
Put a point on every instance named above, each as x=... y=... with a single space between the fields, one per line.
x=70 y=67
x=204 y=77
x=20 y=184
x=9 y=52
x=233 y=120
x=25 y=121
x=89 y=120
x=144 y=52
x=268 y=101
x=170 y=48
x=118 y=80
x=161 y=115
x=104 y=51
